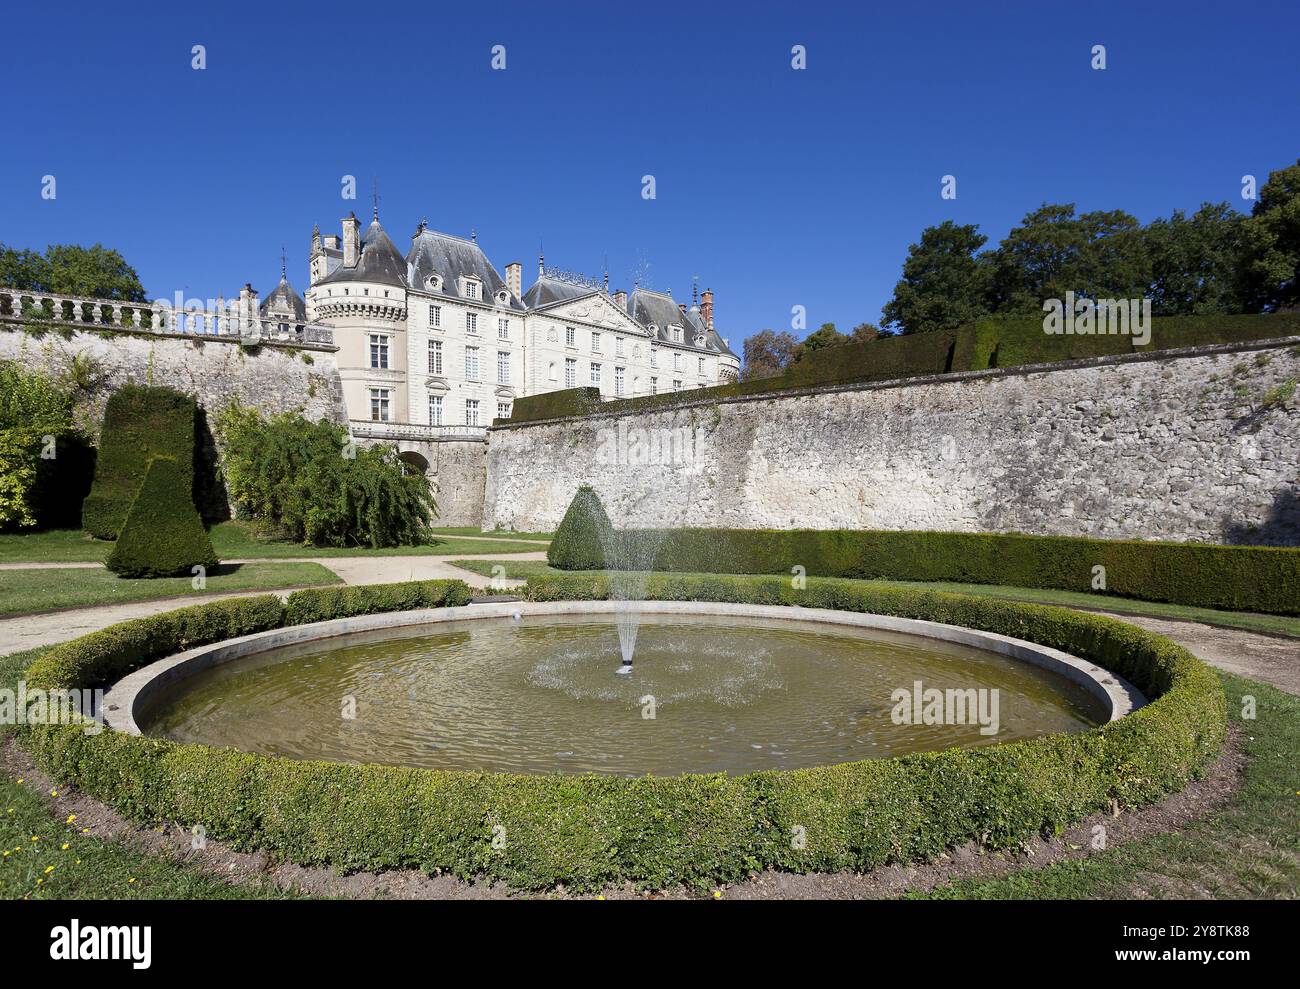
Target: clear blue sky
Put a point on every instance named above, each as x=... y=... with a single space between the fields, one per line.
x=777 y=187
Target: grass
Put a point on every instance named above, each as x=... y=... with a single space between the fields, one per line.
x=236 y=540
x=28 y=591
x=89 y=867
x=1246 y=621
x=1249 y=849
x=469 y=530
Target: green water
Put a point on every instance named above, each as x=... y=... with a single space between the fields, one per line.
x=542 y=695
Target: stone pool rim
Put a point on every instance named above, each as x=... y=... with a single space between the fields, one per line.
x=130 y=698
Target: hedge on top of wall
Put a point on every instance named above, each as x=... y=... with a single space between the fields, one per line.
x=1233 y=578
x=140 y=422
x=989 y=343
x=589 y=831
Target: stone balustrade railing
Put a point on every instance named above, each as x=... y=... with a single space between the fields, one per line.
x=155 y=317
x=380 y=430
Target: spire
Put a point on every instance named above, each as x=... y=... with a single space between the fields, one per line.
x=284 y=275
x=374 y=198
x=541 y=259
x=695 y=290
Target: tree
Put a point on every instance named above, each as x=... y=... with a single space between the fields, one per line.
x=67 y=269
x=305 y=481
x=824 y=336
x=582 y=535
x=1194 y=261
x=944 y=283
x=32 y=408
x=767 y=354
x=163 y=535
x=1269 y=269
x=1053 y=251
x=866 y=332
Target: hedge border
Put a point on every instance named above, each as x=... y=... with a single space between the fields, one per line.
x=591 y=831
x=997 y=342
x=1263 y=579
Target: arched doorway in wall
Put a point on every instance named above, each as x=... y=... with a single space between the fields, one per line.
x=414 y=463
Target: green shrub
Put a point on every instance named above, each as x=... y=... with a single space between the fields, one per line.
x=579 y=541
x=140 y=422
x=553 y=405
x=988 y=343
x=1235 y=578
x=307 y=482
x=44 y=462
x=319 y=604
x=163 y=535
x=589 y=831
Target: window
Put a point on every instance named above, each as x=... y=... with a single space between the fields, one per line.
x=595 y=374
x=677 y=384
x=503 y=410
x=471 y=290
x=701 y=365
x=654 y=357
x=435 y=357
x=471 y=322
x=677 y=334
x=435 y=317
x=378 y=350
x=471 y=411
x=570 y=335
x=654 y=386
x=618 y=380
x=677 y=361
x=550 y=371
x=503 y=329
x=618 y=346
x=570 y=373
x=503 y=367
x=595 y=343
x=379 y=404
x=471 y=363
x=435 y=410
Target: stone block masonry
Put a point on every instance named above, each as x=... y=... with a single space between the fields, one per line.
x=1200 y=444
x=217 y=371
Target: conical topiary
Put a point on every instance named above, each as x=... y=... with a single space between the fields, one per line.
x=163 y=535
x=581 y=537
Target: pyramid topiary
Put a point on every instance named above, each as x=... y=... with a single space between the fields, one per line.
x=163 y=535
x=140 y=422
x=579 y=541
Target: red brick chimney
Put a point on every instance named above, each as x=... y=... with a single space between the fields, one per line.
x=706 y=307
x=515 y=278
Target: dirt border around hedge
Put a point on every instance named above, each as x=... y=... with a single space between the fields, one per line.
x=1221 y=781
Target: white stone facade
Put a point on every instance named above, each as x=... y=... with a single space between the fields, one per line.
x=439 y=338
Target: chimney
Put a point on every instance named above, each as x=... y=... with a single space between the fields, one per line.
x=332 y=241
x=515 y=278
x=620 y=299
x=351 y=241
x=706 y=307
x=682 y=307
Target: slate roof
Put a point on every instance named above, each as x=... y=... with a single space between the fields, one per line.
x=380 y=261
x=547 y=290
x=660 y=310
x=285 y=297
x=451 y=257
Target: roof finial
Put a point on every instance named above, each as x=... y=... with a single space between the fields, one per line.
x=695 y=290
x=374 y=198
x=473 y=235
x=283 y=266
x=541 y=259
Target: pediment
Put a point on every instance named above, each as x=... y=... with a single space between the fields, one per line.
x=597 y=309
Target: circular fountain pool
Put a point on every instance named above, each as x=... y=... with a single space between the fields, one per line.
x=540 y=693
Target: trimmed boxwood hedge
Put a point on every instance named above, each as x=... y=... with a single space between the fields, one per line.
x=163 y=535
x=580 y=539
x=589 y=831
x=988 y=343
x=140 y=422
x=1264 y=579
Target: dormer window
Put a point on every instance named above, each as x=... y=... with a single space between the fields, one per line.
x=501 y=298
x=471 y=289
x=434 y=282
x=676 y=332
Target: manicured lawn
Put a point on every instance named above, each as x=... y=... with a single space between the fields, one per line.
x=1247 y=621
x=469 y=530
x=1249 y=849
x=235 y=541
x=26 y=591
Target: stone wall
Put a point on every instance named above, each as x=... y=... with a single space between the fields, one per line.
x=457 y=472
x=1201 y=444
x=217 y=371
